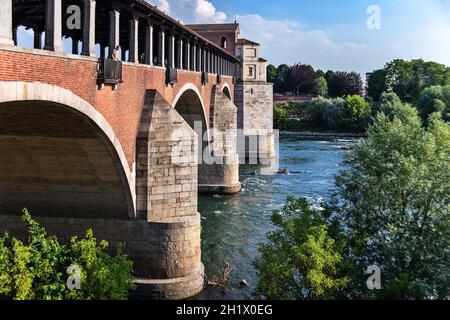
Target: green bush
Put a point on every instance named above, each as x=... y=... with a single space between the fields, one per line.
x=357 y=108
x=280 y=115
x=435 y=99
x=37 y=270
x=301 y=259
x=351 y=113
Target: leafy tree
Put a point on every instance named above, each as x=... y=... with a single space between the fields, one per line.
x=394 y=201
x=282 y=80
x=322 y=86
x=280 y=115
x=320 y=73
x=342 y=84
x=435 y=99
x=351 y=113
x=300 y=260
x=303 y=79
x=390 y=209
x=357 y=107
x=377 y=84
x=271 y=73
x=407 y=78
x=38 y=269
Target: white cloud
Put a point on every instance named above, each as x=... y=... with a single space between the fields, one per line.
x=191 y=11
x=162 y=5
x=287 y=41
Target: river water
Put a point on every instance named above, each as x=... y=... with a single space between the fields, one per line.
x=233 y=227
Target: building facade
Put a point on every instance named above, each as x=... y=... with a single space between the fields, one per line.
x=253 y=95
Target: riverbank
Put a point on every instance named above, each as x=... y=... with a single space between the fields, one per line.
x=324 y=134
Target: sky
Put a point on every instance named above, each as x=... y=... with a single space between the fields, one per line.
x=330 y=34
x=327 y=34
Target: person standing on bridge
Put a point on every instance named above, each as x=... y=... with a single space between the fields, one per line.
x=115 y=53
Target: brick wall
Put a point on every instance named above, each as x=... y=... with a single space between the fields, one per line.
x=121 y=107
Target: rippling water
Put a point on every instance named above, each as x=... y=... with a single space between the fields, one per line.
x=234 y=226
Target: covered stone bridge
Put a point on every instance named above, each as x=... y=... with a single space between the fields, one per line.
x=90 y=142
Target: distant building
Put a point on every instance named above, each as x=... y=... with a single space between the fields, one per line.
x=253 y=96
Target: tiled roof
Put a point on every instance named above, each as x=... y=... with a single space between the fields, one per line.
x=246 y=41
x=214 y=27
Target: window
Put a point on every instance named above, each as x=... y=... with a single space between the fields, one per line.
x=224 y=42
x=251 y=71
x=250 y=53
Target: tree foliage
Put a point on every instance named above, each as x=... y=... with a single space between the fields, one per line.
x=390 y=209
x=303 y=79
x=435 y=99
x=321 y=86
x=341 y=84
x=271 y=73
x=37 y=270
x=351 y=113
x=407 y=78
x=300 y=259
x=395 y=204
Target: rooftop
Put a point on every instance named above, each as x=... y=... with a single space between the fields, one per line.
x=246 y=41
x=214 y=27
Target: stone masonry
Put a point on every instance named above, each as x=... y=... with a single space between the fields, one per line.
x=222 y=176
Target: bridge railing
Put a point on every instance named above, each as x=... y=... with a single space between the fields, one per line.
x=109 y=71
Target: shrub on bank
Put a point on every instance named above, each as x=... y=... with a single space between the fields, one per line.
x=38 y=269
x=351 y=113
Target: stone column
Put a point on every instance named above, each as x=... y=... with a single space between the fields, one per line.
x=37 y=39
x=171 y=55
x=188 y=55
x=89 y=28
x=6 y=31
x=134 y=48
x=149 y=44
x=161 y=46
x=200 y=59
x=114 y=30
x=194 y=57
x=220 y=174
x=53 y=25
x=167 y=250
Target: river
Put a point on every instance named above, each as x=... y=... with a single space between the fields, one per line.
x=233 y=227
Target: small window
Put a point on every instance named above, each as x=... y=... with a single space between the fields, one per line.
x=224 y=42
x=250 y=71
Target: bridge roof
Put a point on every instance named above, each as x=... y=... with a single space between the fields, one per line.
x=176 y=23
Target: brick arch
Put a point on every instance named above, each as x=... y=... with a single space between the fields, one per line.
x=195 y=97
x=22 y=92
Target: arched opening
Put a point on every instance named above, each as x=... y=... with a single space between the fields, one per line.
x=223 y=42
x=190 y=107
x=226 y=92
x=55 y=161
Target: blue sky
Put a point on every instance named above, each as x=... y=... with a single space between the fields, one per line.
x=328 y=34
